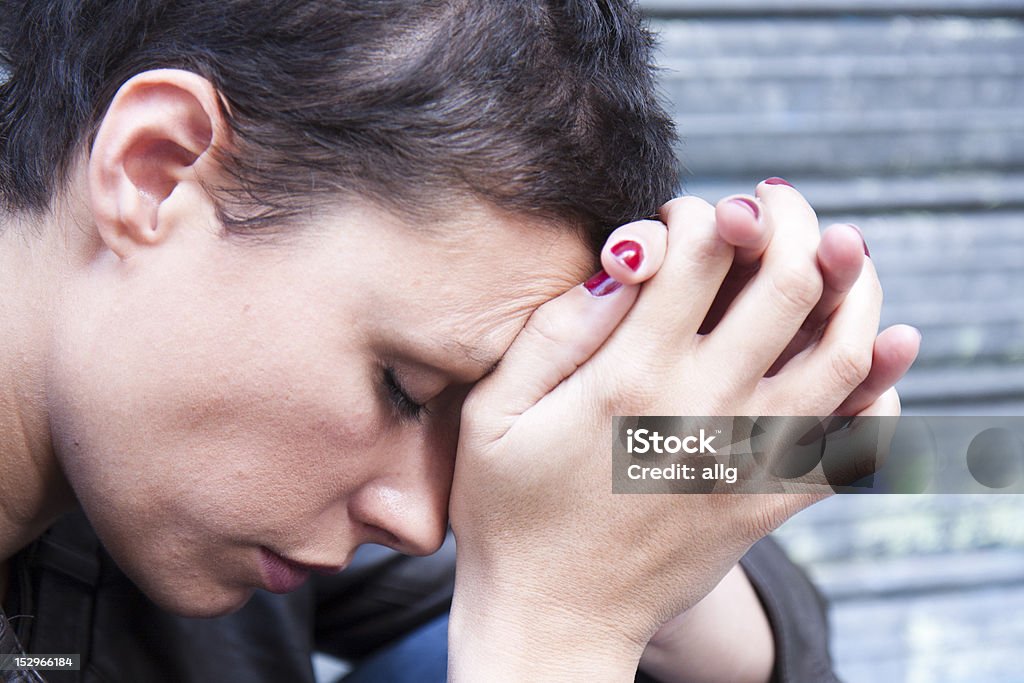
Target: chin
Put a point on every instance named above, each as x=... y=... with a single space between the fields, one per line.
x=209 y=606
x=198 y=601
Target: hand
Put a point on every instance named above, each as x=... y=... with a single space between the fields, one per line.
x=698 y=645
x=840 y=256
x=531 y=505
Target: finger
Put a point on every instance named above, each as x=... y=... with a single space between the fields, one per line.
x=829 y=452
x=734 y=283
x=776 y=301
x=675 y=301
x=886 y=405
x=840 y=259
x=856 y=448
x=895 y=350
x=635 y=252
x=559 y=336
x=739 y=224
x=841 y=361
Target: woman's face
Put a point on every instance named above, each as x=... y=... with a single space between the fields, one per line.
x=214 y=400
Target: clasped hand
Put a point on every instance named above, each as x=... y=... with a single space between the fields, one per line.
x=725 y=310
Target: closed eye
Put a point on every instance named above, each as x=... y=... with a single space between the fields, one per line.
x=399 y=398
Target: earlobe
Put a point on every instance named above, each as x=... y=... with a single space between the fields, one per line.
x=158 y=126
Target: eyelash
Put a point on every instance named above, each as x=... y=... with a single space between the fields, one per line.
x=399 y=397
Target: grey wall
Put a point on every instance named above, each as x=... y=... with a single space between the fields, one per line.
x=906 y=118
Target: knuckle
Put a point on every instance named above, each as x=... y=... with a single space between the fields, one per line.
x=699 y=244
x=682 y=207
x=630 y=398
x=850 y=366
x=797 y=285
x=637 y=384
x=544 y=329
x=706 y=245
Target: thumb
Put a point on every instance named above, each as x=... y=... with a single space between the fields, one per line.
x=635 y=251
x=564 y=333
x=558 y=338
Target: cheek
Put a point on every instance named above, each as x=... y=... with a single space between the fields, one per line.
x=231 y=461
x=184 y=496
x=224 y=434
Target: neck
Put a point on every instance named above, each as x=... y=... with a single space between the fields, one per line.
x=33 y=490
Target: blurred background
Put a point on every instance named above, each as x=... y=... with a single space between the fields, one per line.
x=905 y=117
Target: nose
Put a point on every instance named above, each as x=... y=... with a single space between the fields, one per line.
x=406 y=505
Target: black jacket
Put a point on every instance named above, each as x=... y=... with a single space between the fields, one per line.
x=80 y=602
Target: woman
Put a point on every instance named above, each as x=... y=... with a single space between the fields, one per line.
x=261 y=262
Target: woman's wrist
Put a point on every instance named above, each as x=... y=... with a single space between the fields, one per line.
x=724 y=638
x=515 y=638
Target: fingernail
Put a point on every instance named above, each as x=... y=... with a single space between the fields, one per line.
x=778 y=181
x=920 y=336
x=602 y=284
x=629 y=253
x=838 y=423
x=867 y=252
x=816 y=433
x=748 y=204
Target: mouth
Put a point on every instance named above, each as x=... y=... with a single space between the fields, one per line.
x=281 y=575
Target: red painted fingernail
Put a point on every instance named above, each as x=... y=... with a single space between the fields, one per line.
x=748 y=204
x=778 y=181
x=629 y=253
x=867 y=252
x=602 y=284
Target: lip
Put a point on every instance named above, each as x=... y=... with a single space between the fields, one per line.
x=316 y=568
x=281 y=575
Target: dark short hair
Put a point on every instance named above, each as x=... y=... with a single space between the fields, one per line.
x=540 y=106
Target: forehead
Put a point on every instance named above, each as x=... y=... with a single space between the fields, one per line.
x=460 y=287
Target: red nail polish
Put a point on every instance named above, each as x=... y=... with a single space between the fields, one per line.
x=778 y=181
x=629 y=254
x=867 y=252
x=602 y=284
x=748 y=204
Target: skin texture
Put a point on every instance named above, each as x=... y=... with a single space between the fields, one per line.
x=204 y=395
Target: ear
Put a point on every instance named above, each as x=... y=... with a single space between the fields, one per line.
x=157 y=129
